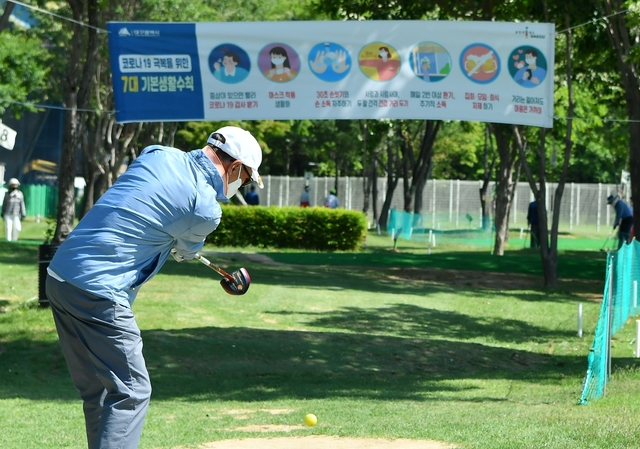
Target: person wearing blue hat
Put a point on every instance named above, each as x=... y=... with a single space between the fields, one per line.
x=624 y=218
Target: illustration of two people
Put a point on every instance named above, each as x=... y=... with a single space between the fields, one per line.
x=529 y=74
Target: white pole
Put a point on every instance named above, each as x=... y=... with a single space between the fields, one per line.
x=578 y=207
x=580 y=319
x=450 y=200
x=546 y=198
x=571 y=210
x=286 y=202
x=608 y=208
x=599 y=206
x=458 y=204
x=280 y=192
x=433 y=206
x=268 y=190
x=434 y=240
x=349 y=190
x=637 y=338
x=315 y=193
x=521 y=232
x=515 y=206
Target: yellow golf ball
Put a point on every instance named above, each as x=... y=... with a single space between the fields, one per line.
x=310 y=420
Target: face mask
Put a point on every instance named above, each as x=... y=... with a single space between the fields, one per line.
x=530 y=61
x=382 y=54
x=277 y=61
x=232 y=187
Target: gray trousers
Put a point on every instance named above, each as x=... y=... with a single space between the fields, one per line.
x=103 y=349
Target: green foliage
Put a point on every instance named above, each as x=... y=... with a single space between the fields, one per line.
x=23 y=69
x=458 y=151
x=315 y=228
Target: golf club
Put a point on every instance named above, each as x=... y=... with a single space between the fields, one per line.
x=607 y=241
x=236 y=283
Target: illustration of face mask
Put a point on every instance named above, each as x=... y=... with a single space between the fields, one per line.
x=530 y=61
x=232 y=187
x=277 y=61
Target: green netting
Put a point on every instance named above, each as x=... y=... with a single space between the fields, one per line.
x=620 y=301
x=442 y=229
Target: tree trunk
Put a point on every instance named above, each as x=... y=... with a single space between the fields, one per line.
x=374 y=188
x=549 y=247
x=504 y=188
x=392 y=183
x=77 y=88
x=624 y=44
x=485 y=204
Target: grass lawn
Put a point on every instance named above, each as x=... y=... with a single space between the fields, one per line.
x=359 y=339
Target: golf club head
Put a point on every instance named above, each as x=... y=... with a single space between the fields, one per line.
x=240 y=283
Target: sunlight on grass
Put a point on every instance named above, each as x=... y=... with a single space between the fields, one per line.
x=366 y=341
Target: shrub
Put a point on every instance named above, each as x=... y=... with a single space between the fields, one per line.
x=313 y=228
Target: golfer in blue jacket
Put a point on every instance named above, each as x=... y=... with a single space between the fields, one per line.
x=167 y=202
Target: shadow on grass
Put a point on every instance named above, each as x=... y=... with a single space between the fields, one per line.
x=245 y=364
x=369 y=279
x=22 y=253
x=571 y=264
x=411 y=321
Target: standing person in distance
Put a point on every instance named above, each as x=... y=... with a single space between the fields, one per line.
x=532 y=221
x=331 y=201
x=13 y=210
x=624 y=218
x=305 y=198
x=167 y=202
x=252 y=198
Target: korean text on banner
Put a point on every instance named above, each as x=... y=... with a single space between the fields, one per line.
x=480 y=71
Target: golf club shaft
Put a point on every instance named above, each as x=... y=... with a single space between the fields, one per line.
x=214 y=267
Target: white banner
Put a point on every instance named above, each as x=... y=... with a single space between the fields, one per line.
x=479 y=71
x=7 y=136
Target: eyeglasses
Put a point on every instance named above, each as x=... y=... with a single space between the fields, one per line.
x=249 y=172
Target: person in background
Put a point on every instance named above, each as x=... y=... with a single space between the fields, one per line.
x=252 y=198
x=13 y=210
x=166 y=203
x=305 y=198
x=624 y=218
x=532 y=221
x=331 y=201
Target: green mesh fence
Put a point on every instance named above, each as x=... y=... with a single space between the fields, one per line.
x=619 y=303
x=438 y=229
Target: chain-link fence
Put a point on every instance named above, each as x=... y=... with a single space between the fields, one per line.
x=452 y=204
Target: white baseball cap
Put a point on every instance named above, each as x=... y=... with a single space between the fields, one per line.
x=14 y=182
x=241 y=145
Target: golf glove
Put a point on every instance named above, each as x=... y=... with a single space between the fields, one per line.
x=177 y=256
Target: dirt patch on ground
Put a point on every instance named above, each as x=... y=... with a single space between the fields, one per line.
x=587 y=289
x=324 y=442
x=488 y=280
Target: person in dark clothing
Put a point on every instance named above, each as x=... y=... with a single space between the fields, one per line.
x=252 y=197
x=532 y=220
x=624 y=218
